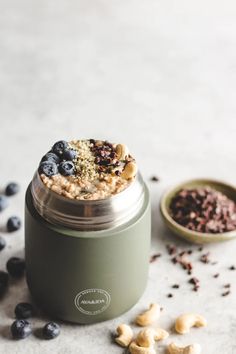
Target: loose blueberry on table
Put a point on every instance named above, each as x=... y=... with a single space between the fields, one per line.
x=24 y=310
x=12 y=189
x=13 y=223
x=2 y=243
x=4 y=279
x=16 y=267
x=51 y=330
x=20 y=329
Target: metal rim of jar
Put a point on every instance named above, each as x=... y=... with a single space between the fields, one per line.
x=88 y=215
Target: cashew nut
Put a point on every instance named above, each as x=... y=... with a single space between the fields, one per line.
x=125 y=335
x=122 y=151
x=149 y=316
x=184 y=322
x=160 y=334
x=130 y=170
x=190 y=349
x=134 y=348
x=148 y=336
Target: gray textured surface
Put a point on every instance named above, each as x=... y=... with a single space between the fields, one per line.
x=159 y=76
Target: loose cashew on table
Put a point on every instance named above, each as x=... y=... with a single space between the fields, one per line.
x=184 y=322
x=148 y=336
x=190 y=349
x=134 y=348
x=149 y=316
x=125 y=335
x=161 y=334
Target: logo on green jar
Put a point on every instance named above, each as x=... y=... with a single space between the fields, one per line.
x=92 y=301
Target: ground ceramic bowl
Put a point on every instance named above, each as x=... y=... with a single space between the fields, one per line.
x=193 y=236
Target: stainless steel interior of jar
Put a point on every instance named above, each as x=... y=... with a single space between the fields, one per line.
x=88 y=215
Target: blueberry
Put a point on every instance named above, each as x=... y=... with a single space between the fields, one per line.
x=3 y=289
x=51 y=330
x=66 y=168
x=12 y=188
x=4 y=278
x=69 y=154
x=48 y=168
x=59 y=147
x=13 y=223
x=20 y=329
x=16 y=267
x=3 y=202
x=24 y=310
x=2 y=243
x=50 y=156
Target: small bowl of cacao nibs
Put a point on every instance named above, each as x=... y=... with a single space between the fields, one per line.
x=201 y=210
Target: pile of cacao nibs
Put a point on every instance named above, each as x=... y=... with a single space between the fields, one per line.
x=204 y=210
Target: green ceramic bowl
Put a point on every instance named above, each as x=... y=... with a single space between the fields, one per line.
x=193 y=236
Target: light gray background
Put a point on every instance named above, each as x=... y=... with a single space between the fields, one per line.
x=157 y=75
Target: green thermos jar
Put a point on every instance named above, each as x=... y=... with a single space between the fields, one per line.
x=87 y=261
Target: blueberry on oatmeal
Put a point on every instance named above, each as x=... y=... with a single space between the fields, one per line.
x=59 y=147
x=66 y=168
x=69 y=155
x=50 y=156
x=48 y=168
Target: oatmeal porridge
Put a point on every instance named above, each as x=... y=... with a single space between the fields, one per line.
x=87 y=169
